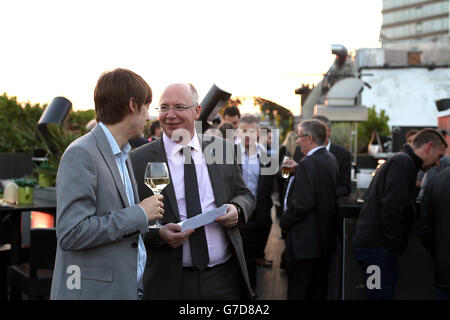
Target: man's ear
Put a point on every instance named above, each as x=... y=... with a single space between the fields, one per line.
x=198 y=110
x=132 y=105
x=428 y=147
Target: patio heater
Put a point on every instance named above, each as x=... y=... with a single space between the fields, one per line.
x=211 y=104
x=56 y=112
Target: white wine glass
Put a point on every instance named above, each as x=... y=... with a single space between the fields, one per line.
x=156 y=177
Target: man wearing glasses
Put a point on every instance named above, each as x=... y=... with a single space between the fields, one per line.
x=310 y=219
x=207 y=263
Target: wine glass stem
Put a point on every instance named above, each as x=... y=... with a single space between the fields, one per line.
x=156 y=225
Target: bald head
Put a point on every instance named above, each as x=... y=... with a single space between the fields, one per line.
x=179 y=109
x=187 y=88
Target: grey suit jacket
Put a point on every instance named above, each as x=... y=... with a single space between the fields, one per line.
x=97 y=230
x=163 y=273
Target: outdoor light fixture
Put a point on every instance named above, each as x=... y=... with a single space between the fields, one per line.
x=443 y=104
x=57 y=112
x=211 y=104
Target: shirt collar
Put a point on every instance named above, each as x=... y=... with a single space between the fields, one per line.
x=172 y=147
x=113 y=143
x=314 y=150
x=328 y=146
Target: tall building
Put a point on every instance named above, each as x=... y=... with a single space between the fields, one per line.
x=415 y=25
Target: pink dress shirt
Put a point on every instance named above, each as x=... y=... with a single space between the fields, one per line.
x=218 y=245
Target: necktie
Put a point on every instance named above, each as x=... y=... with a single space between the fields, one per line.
x=197 y=240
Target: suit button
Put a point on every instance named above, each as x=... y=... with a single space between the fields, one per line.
x=134 y=245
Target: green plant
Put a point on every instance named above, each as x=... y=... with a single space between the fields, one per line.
x=26 y=182
x=78 y=119
x=12 y=115
x=46 y=174
x=54 y=143
x=341 y=134
x=46 y=168
x=377 y=123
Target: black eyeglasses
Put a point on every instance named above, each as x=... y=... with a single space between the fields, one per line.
x=176 y=108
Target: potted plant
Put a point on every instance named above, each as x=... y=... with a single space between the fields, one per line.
x=54 y=144
x=46 y=174
x=371 y=131
x=26 y=188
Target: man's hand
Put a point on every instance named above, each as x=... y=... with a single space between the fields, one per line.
x=289 y=164
x=171 y=234
x=230 y=218
x=153 y=207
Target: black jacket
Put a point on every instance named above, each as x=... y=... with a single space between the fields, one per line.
x=386 y=217
x=311 y=220
x=344 y=160
x=434 y=224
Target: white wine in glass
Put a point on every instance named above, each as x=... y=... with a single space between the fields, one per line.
x=156 y=177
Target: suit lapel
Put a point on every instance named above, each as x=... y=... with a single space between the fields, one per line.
x=159 y=155
x=105 y=150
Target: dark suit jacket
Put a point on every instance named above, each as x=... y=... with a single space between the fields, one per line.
x=163 y=273
x=264 y=191
x=434 y=222
x=311 y=220
x=344 y=160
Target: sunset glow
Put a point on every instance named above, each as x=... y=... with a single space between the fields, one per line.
x=249 y=48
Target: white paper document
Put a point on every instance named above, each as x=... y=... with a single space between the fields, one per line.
x=203 y=218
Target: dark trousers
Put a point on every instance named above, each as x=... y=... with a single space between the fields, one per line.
x=263 y=232
x=308 y=279
x=442 y=293
x=369 y=259
x=254 y=240
x=221 y=282
x=251 y=247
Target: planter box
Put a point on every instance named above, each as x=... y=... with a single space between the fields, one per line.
x=26 y=195
x=47 y=194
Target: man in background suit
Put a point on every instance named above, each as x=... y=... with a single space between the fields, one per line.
x=100 y=253
x=252 y=158
x=432 y=228
x=344 y=160
x=310 y=220
x=208 y=263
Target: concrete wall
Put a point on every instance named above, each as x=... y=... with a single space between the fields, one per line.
x=407 y=94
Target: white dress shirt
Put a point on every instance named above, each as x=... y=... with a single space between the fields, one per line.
x=218 y=245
